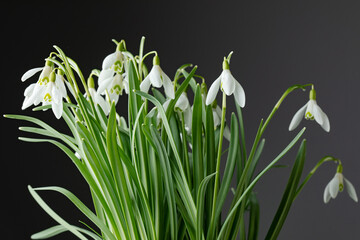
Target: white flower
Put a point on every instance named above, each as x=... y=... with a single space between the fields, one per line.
x=113 y=84
x=158 y=78
x=217 y=121
x=99 y=100
x=311 y=111
x=48 y=90
x=183 y=106
x=112 y=59
x=34 y=92
x=228 y=84
x=337 y=185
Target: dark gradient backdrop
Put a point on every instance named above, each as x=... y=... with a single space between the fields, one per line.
x=276 y=44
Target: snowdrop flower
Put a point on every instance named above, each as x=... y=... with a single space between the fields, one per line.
x=311 y=111
x=228 y=84
x=183 y=106
x=336 y=185
x=216 y=110
x=158 y=78
x=96 y=96
x=115 y=58
x=33 y=91
x=113 y=84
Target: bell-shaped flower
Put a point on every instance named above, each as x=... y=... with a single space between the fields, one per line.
x=228 y=84
x=336 y=185
x=34 y=92
x=97 y=98
x=115 y=58
x=53 y=93
x=311 y=111
x=112 y=84
x=216 y=110
x=158 y=78
x=183 y=106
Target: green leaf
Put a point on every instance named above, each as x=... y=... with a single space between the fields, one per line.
x=85 y=210
x=54 y=215
x=229 y=168
x=197 y=150
x=200 y=206
x=58 y=229
x=254 y=217
x=289 y=194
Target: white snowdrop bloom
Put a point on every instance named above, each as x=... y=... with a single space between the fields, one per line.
x=158 y=78
x=217 y=121
x=228 y=84
x=52 y=94
x=34 y=92
x=115 y=58
x=311 y=111
x=183 y=106
x=336 y=185
x=113 y=84
x=95 y=95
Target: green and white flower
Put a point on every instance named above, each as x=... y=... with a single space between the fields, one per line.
x=34 y=92
x=158 y=78
x=112 y=84
x=97 y=98
x=228 y=84
x=336 y=185
x=114 y=59
x=311 y=111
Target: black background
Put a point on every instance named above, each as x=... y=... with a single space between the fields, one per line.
x=276 y=44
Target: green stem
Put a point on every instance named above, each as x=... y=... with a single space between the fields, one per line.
x=218 y=160
x=323 y=160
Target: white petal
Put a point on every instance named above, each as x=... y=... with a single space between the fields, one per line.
x=168 y=86
x=188 y=119
x=105 y=74
x=155 y=76
x=227 y=82
x=351 y=190
x=327 y=194
x=317 y=112
x=109 y=61
x=326 y=123
x=297 y=117
x=29 y=90
x=217 y=118
x=57 y=109
x=239 y=95
x=102 y=103
x=183 y=102
x=213 y=91
x=145 y=84
x=227 y=133
x=334 y=186
x=30 y=73
x=59 y=82
x=105 y=84
x=56 y=95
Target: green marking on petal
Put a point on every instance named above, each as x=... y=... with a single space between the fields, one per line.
x=309 y=116
x=47 y=97
x=117 y=89
x=341 y=187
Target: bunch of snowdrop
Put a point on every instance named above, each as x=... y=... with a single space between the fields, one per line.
x=155 y=173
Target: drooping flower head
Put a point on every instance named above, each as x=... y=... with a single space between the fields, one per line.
x=337 y=184
x=116 y=58
x=311 y=111
x=96 y=96
x=158 y=78
x=228 y=85
x=34 y=92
